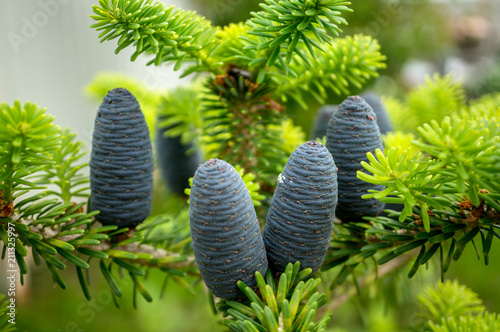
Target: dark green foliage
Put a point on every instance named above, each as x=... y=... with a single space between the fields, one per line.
x=121 y=163
x=383 y=120
x=300 y=220
x=177 y=163
x=227 y=242
x=352 y=132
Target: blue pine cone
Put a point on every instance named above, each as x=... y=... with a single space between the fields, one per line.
x=352 y=132
x=176 y=164
x=300 y=219
x=121 y=162
x=227 y=241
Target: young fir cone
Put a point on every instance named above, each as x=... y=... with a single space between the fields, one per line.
x=352 y=132
x=227 y=241
x=300 y=219
x=383 y=120
x=176 y=164
x=121 y=162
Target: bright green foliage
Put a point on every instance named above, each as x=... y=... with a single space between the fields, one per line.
x=168 y=34
x=451 y=307
x=292 y=21
x=465 y=161
x=284 y=33
x=466 y=153
x=65 y=172
x=27 y=135
x=252 y=186
x=345 y=62
x=439 y=97
x=402 y=173
x=399 y=139
x=293 y=136
x=448 y=299
x=180 y=112
x=291 y=305
x=484 y=322
x=487 y=106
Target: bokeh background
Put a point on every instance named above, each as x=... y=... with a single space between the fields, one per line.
x=48 y=55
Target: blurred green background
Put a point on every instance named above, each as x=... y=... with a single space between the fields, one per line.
x=419 y=37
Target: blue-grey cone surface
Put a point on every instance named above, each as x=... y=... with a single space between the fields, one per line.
x=383 y=120
x=320 y=123
x=300 y=219
x=121 y=162
x=227 y=241
x=176 y=163
x=352 y=132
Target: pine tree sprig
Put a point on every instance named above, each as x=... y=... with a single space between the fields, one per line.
x=27 y=135
x=290 y=305
x=290 y=22
x=403 y=175
x=387 y=238
x=438 y=97
x=235 y=112
x=345 y=62
x=169 y=34
x=66 y=172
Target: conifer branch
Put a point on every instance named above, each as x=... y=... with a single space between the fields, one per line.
x=169 y=34
x=346 y=62
x=297 y=21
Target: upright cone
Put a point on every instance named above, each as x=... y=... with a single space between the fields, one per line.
x=121 y=162
x=227 y=242
x=352 y=132
x=300 y=220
